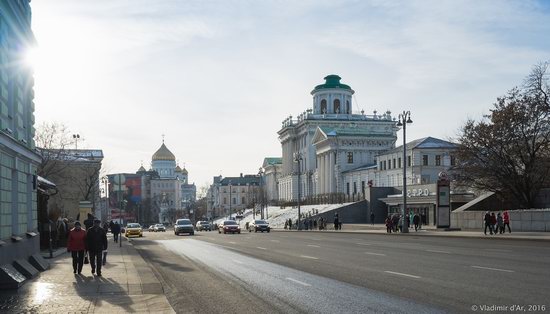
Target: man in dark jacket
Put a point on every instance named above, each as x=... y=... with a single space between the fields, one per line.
x=487 y=220
x=88 y=223
x=115 y=230
x=96 y=240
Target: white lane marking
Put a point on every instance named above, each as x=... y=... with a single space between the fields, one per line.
x=275 y=241
x=363 y=243
x=437 y=251
x=401 y=274
x=499 y=250
x=233 y=242
x=377 y=254
x=261 y=248
x=313 y=245
x=496 y=269
x=299 y=282
x=310 y=257
x=237 y=261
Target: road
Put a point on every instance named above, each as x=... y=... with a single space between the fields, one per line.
x=312 y=272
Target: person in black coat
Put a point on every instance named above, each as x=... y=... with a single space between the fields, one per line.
x=96 y=242
x=88 y=223
x=115 y=230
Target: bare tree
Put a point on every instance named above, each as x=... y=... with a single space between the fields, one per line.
x=508 y=152
x=52 y=141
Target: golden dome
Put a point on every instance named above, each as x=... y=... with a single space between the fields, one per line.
x=178 y=169
x=141 y=169
x=184 y=171
x=163 y=153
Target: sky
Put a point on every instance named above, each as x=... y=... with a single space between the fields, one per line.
x=217 y=78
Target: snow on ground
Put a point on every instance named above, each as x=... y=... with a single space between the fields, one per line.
x=278 y=216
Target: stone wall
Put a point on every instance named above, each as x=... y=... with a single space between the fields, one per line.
x=537 y=220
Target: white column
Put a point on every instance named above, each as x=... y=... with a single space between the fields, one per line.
x=327 y=169
x=331 y=172
x=322 y=174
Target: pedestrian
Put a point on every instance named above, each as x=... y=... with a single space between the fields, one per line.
x=286 y=224
x=395 y=222
x=400 y=223
x=289 y=223
x=96 y=242
x=372 y=219
x=500 y=224
x=76 y=244
x=115 y=230
x=487 y=220
x=389 y=226
x=315 y=223
x=336 y=221
x=416 y=221
x=88 y=223
x=310 y=223
x=506 y=218
x=493 y=222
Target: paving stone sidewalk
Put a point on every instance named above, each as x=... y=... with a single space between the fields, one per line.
x=128 y=285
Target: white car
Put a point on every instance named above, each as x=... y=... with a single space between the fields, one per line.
x=159 y=227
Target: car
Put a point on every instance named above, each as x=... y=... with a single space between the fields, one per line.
x=184 y=226
x=259 y=225
x=229 y=226
x=133 y=229
x=151 y=228
x=159 y=227
x=203 y=225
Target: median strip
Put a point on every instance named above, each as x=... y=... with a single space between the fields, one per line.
x=495 y=269
x=401 y=274
x=299 y=282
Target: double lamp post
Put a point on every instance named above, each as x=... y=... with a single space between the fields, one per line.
x=404 y=119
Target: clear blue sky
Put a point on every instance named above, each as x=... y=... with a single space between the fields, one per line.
x=218 y=77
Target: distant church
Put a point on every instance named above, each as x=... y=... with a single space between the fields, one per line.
x=170 y=190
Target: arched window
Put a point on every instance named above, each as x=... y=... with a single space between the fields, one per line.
x=348 y=109
x=323 y=106
x=337 y=106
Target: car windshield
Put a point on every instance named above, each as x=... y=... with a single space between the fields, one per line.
x=229 y=222
x=260 y=222
x=205 y=223
x=133 y=226
x=183 y=222
x=160 y=225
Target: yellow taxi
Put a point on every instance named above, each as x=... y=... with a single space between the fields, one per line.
x=133 y=229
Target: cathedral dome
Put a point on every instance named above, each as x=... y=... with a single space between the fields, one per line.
x=163 y=153
x=141 y=169
x=178 y=169
x=184 y=171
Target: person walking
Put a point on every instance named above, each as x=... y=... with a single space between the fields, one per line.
x=487 y=220
x=336 y=221
x=289 y=223
x=416 y=221
x=76 y=244
x=506 y=220
x=493 y=222
x=115 y=230
x=96 y=241
x=500 y=224
x=372 y=219
x=389 y=226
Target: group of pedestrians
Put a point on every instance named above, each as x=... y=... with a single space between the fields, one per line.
x=89 y=243
x=395 y=222
x=312 y=223
x=497 y=223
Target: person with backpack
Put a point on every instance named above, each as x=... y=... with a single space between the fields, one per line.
x=416 y=221
x=506 y=220
x=500 y=224
x=487 y=221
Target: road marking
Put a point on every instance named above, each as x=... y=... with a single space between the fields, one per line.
x=237 y=261
x=378 y=254
x=401 y=274
x=231 y=242
x=496 y=269
x=437 y=251
x=275 y=241
x=261 y=248
x=363 y=243
x=313 y=245
x=299 y=282
x=499 y=250
x=310 y=257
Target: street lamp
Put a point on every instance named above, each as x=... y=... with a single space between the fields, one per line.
x=230 y=200
x=76 y=137
x=261 y=173
x=403 y=120
x=298 y=158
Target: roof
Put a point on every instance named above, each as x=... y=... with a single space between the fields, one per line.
x=332 y=81
x=424 y=143
x=178 y=169
x=273 y=160
x=363 y=167
x=184 y=171
x=141 y=169
x=72 y=154
x=349 y=132
x=163 y=153
x=250 y=179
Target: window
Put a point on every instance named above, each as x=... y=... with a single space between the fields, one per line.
x=389 y=164
x=323 y=106
x=381 y=166
x=350 y=157
x=424 y=160
x=347 y=188
x=399 y=162
x=234 y=201
x=394 y=163
x=409 y=161
x=438 y=160
x=363 y=187
x=453 y=160
x=347 y=107
x=354 y=188
x=384 y=165
x=224 y=200
x=337 y=105
x=242 y=200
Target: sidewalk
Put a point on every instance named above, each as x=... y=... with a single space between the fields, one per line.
x=128 y=285
x=433 y=231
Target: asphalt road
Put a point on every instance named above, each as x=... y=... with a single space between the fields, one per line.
x=310 y=272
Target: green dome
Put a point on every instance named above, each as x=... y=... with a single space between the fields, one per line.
x=332 y=81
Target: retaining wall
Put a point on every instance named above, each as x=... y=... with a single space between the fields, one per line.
x=537 y=220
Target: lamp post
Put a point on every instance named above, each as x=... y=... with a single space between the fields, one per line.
x=76 y=137
x=260 y=174
x=298 y=158
x=230 y=200
x=403 y=120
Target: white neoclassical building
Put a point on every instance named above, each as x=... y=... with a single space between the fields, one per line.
x=330 y=139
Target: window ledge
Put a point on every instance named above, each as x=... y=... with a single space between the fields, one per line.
x=2 y=243
x=32 y=234
x=16 y=238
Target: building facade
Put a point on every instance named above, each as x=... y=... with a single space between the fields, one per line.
x=272 y=173
x=18 y=159
x=229 y=195
x=328 y=139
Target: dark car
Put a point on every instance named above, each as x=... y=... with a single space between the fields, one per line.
x=259 y=225
x=229 y=226
x=184 y=226
x=203 y=225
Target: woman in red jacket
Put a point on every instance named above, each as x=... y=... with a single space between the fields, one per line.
x=77 y=246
